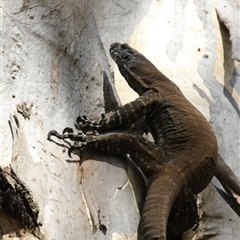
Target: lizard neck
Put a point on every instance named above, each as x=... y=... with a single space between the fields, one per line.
x=147 y=77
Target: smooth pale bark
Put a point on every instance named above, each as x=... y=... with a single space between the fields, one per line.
x=55 y=69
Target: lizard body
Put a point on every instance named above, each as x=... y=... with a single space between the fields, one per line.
x=183 y=158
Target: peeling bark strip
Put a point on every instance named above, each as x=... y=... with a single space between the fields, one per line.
x=230 y=183
x=16 y=200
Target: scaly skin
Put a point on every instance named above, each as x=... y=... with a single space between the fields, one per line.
x=182 y=160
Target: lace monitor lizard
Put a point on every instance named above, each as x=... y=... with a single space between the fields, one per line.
x=180 y=163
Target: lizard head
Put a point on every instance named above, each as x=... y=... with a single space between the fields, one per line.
x=136 y=69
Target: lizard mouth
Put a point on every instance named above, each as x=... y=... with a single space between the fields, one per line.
x=115 y=54
x=114 y=50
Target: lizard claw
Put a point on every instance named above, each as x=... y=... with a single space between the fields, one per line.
x=70 y=150
x=79 y=126
x=81 y=119
x=52 y=132
x=67 y=130
x=81 y=122
x=74 y=147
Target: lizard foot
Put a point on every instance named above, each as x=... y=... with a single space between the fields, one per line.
x=68 y=133
x=74 y=148
x=67 y=130
x=84 y=124
x=80 y=138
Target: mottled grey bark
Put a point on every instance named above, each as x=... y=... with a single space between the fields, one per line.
x=54 y=69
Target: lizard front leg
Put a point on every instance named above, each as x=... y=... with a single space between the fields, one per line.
x=124 y=116
x=141 y=150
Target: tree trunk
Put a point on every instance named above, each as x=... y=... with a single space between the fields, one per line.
x=55 y=68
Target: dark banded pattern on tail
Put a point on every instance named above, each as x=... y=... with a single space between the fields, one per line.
x=162 y=194
x=168 y=200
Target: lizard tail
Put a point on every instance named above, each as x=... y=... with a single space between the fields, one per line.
x=172 y=191
x=158 y=204
x=163 y=192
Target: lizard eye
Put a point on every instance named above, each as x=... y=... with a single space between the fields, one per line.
x=126 y=47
